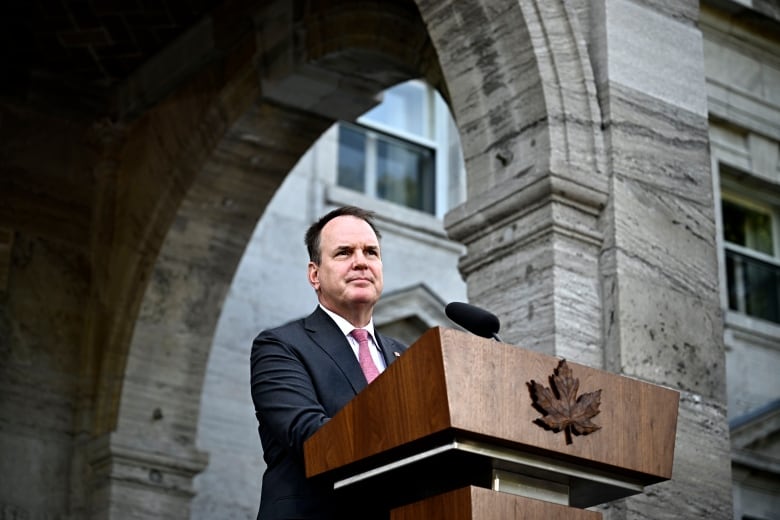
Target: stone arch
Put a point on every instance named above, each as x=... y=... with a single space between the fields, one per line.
x=527 y=117
x=151 y=387
x=537 y=110
x=537 y=184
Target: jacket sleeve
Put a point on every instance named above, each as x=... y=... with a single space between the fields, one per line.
x=283 y=393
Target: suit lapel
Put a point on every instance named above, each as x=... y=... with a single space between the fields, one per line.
x=387 y=348
x=326 y=335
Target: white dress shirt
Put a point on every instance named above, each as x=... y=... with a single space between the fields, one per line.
x=346 y=328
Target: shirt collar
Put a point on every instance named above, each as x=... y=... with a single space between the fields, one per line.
x=345 y=326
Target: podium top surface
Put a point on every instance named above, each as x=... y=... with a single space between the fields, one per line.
x=453 y=383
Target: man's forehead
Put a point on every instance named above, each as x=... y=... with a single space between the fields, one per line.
x=358 y=243
x=353 y=241
x=347 y=228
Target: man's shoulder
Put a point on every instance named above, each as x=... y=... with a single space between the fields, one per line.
x=286 y=336
x=290 y=325
x=298 y=325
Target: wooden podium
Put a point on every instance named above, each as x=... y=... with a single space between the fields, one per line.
x=455 y=428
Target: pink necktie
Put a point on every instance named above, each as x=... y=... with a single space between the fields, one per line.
x=364 y=355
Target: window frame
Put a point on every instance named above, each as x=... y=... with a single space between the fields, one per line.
x=372 y=138
x=740 y=199
x=439 y=136
x=737 y=187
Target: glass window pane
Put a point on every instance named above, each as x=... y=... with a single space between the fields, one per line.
x=403 y=107
x=754 y=286
x=352 y=158
x=747 y=227
x=405 y=174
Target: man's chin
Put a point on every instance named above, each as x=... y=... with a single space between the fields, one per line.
x=364 y=297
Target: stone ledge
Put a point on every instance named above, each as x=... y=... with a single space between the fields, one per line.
x=116 y=459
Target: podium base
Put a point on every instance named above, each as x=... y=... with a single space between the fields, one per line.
x=475 y=503
x=453 y=463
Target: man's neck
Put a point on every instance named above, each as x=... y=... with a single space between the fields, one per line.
x=359 y=318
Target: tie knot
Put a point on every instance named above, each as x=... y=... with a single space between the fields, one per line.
x=360 y=334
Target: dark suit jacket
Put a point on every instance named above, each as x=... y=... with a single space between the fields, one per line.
x=302 y=374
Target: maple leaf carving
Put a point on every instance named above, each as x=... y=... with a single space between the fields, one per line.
x=563 y=410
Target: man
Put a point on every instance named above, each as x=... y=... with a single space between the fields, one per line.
x=304 y=372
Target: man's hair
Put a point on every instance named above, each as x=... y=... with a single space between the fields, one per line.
x=314 y=232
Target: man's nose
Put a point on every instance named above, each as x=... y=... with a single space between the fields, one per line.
x=359 y=259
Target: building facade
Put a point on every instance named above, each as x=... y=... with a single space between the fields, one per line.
x=743 y=85
x=616 y=205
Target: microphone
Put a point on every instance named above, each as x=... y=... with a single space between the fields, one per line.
x=473 y=319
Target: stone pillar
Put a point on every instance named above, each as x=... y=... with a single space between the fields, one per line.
x=662 y=319
x=536 y=264
x=130 y=478
x=530 y=128
x=610 y=262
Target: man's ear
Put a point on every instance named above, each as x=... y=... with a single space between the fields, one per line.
x=314 y=276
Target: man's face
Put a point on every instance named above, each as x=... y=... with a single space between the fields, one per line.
x=349 y=276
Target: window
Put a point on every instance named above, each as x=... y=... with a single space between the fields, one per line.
x=405 y=108
x=387 y=167
x=748 y=226
x=400 y=151
x=750 y=236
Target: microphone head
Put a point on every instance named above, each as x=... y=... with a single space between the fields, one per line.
x=473 y=319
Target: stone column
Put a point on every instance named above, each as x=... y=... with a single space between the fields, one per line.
x=662 y=319
x=531 y=132
x=616 y=270
x=131 y=478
